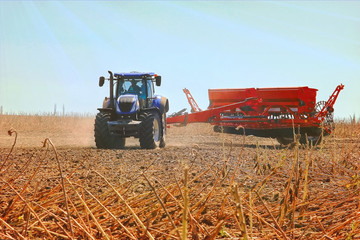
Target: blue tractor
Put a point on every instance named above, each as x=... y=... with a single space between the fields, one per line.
x=133 y=110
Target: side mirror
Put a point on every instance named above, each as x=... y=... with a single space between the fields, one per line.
x=101 y=81
x=158 y=81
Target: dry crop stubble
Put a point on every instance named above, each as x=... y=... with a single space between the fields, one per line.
x=233 y=189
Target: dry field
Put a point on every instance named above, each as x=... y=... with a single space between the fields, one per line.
x=54 y=184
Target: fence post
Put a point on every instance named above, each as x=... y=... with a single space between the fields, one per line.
x=55 y=110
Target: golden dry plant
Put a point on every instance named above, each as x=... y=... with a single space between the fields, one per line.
x=203 y=185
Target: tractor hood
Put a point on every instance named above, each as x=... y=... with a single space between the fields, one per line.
x=127 y=104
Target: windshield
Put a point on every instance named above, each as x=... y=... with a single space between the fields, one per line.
x=133 y=86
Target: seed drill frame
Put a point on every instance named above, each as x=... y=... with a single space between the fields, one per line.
x=265 y=112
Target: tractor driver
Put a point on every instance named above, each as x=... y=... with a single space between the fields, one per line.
x=140 y=91
x=134 y=87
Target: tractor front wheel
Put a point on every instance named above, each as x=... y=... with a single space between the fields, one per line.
x=103 y=138
x=150 y=131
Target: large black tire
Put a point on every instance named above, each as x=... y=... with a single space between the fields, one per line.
x=103 y=138
x=163 y=132
x=150 y=130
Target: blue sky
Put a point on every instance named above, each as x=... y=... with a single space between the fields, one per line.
x=52 y=52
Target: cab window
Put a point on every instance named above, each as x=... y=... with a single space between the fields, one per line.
x=150 y=89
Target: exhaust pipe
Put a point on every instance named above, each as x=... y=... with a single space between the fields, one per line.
x=111 y=105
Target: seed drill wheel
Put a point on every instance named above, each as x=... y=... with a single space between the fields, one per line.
x=103 y=138
x=285 y=140
x=225 y=129
x=311 y=140
x=150 y=130
x=329 y=118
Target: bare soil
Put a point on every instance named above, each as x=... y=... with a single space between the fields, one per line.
x=238 y=187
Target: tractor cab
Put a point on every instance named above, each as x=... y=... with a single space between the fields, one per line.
x=141 y=89
x=131 y=92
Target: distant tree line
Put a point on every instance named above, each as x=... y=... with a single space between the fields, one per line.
x=54 y=113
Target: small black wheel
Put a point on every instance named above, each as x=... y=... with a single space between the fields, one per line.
x=285 y=140
x=224 y=129
x=103 y=138
x=217 y=129
x=311 y=140
x=150 y=131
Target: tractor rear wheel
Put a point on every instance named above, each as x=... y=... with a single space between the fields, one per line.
x=150 y=131
x=103 y=138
